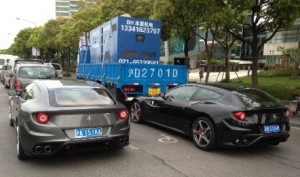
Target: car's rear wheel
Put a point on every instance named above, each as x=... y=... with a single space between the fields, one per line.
x=204 y=134
x=20 y=151
x=6 y=86
x=11 y=123
x=136 y=112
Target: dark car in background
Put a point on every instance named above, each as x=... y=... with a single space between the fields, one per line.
x=217 y=115
x=26 y=73
x=52 y=116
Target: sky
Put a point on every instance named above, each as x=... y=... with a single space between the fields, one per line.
x=35 y=11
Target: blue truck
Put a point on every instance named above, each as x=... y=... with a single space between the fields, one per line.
x=123 y=55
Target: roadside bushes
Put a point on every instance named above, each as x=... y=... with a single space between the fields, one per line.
x=277 y=72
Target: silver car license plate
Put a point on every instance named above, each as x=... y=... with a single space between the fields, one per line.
x=87 y=132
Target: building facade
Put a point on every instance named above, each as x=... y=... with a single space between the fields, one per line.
x=65 y=8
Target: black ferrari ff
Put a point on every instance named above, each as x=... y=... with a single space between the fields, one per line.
x=217 y=115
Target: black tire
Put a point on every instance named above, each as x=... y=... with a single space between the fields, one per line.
x=275 y=143
x=136 y=112
x=20 y=152
x=11 y=123
x=204 y=134
x=6 y=86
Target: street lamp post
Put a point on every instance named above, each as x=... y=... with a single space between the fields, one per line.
x=27 y=21
x=33 y=48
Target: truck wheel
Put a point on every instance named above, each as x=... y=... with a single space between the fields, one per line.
x=136 y=112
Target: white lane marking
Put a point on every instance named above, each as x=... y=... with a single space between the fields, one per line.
x=167 y=139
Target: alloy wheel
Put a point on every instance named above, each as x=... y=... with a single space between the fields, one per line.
x=204 y=133
x=136 y=112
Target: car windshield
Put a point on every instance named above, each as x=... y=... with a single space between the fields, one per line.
x=81 y=97
x=256 y=98
x=37 y=72
x=2 y=61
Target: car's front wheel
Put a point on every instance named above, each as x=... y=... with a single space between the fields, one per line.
x=136 y=112
x=204 y=133
x=20 y=152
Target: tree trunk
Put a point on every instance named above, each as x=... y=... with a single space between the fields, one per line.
x=296 y=70
x=186 y=52
x=208 y=69
x=227 y=66
x=254 y=77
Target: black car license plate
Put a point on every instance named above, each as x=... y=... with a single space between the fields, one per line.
x=274 y=128
x=87 y=132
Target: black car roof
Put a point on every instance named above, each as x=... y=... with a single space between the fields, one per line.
x=221 y=86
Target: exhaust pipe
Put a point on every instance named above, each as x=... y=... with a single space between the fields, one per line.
x=126 y=141
x=237 y=141
x=38 y=149
x=245 y=141
x=121 y=141
x=47 y=149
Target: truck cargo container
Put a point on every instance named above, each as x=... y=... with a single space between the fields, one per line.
x=123 y=55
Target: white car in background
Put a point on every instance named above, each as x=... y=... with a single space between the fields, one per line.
x=58 y=69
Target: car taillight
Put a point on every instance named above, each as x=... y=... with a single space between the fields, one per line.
x=240 y=115
x=129 y=89
x=18 y=85
x=42 y=118
x=123 y=114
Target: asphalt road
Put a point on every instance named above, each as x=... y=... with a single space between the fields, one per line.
x=153 y=152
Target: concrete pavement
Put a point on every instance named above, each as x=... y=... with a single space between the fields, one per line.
x=217 y=77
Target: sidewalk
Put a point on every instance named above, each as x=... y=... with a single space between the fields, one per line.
x=216 y=77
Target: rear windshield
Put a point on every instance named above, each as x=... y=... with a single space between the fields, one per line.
x=56 y=66
x=80 y=97
x=34 y=72
x=256 y=98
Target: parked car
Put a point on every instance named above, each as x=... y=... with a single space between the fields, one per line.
x=58 y=69
x=26 y=73
x=10 y=69
x=217 y=115
x=2 y=76
x=52 y=116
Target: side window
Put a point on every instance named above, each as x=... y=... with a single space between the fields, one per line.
x=182 y=93
x=28 y=93
x=35 y=91
x=206 y=94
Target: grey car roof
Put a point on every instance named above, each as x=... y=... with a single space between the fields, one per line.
x=33 y=64
x=54 y=84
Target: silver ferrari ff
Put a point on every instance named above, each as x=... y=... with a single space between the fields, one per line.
x=51 y=116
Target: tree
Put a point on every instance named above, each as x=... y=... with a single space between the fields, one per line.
x=180 y=18
x=135 y=8
x=293 y=54
x=264 y=18
x=20 y=47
